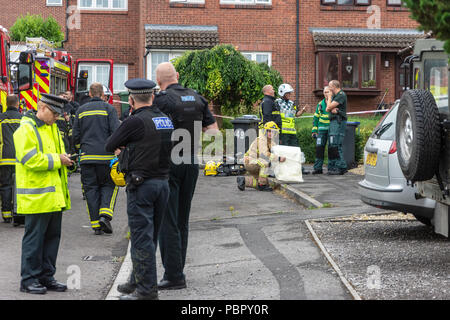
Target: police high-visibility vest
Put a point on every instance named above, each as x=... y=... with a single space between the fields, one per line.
x=287 y=112
x=41 y=179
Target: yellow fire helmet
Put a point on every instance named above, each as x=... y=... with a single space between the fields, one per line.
x=117 y=177
x=211 y=168
x=271 y=125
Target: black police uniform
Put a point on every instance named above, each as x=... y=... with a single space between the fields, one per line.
x=9 y=122
x=146 y=136
x=185 y=107
x=95 y=121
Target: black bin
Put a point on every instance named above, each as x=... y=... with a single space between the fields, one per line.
x=245 y=132
x=348 y=146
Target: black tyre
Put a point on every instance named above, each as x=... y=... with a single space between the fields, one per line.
x=426 y=221
x=418 y=135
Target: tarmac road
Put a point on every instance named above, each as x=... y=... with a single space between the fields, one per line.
x=97 y=258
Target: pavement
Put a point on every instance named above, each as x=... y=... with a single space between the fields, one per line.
x=255 y=245
x=301 y=242
x=86 y=262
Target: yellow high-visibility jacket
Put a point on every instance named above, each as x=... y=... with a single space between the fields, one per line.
x=41 y=179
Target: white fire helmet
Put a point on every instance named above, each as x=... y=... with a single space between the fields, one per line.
x=284 y=88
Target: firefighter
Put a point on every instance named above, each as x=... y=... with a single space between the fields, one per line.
x=321 y=123
x=42 y=193
x=64 y=124
x=144 y=138
x=258 y=158
x=95 y=121
x=337 y=106
x=9 y=122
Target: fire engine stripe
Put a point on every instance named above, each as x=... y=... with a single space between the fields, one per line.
x=43 y=85
x=29 y=100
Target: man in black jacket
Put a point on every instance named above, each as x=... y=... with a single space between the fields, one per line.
x=95 y=121
x=9 y=122
x=269 y=110
x=144 y=141
x=189 y=112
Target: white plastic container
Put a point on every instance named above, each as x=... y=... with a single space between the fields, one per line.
x=289 y=171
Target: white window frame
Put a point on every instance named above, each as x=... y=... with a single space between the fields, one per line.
x=109 y=8
x=172 y=54
x=125 y=66
x=59 y=4
x=254 y=53
x=93 y=76
x=249 y=2
x=188 y=1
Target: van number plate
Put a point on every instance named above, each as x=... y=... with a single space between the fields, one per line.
x=371 y=159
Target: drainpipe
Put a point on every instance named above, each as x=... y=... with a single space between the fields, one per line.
x=67 y=27
x=297 y=54
x=147 y=52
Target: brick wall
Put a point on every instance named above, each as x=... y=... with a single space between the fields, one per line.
x=12 y=9
x=121 y=35
x=250 y=28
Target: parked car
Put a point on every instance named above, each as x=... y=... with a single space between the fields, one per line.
x=384 y=185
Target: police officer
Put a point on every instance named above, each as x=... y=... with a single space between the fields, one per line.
x=9 y=122
x=337 y=106
x=268 y=110
x=95 y=121
x=144 y=143
x=42 y=193
x=189 y=111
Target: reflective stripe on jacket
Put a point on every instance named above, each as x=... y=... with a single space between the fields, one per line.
x=9 y=122
x=95 y=121
x=287 y=112
x=321 y=119
x=41 y=179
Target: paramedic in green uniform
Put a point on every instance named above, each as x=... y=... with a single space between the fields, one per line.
x=321 y=124
x=337 y=106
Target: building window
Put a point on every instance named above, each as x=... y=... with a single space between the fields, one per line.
x=354 y=70
x=159 y=56
x=96 y=73
x=260 y=57
x=120 y=77
x=394 y=2
x=347 y=2
x=103 y=4
x=245 y=1
x=54 y=3
x=188 y=1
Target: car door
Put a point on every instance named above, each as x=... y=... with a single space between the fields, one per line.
x=376 y=151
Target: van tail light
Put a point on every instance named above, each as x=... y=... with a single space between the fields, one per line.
x=393 y=148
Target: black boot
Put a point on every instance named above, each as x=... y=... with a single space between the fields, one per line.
x=264 y=187
x=241 y=183
x=105 y=224
x=126 y=287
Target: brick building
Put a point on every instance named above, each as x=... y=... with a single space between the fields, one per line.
x=308 y=41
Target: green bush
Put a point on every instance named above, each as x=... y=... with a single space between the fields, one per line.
x=33 y=26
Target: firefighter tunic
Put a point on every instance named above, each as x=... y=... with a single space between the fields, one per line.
x=9 y=122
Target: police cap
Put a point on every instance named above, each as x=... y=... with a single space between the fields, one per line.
x=140 y=86
x=55 y=103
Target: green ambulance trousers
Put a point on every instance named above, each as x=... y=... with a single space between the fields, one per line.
x=336 y=135
x=321 y=142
